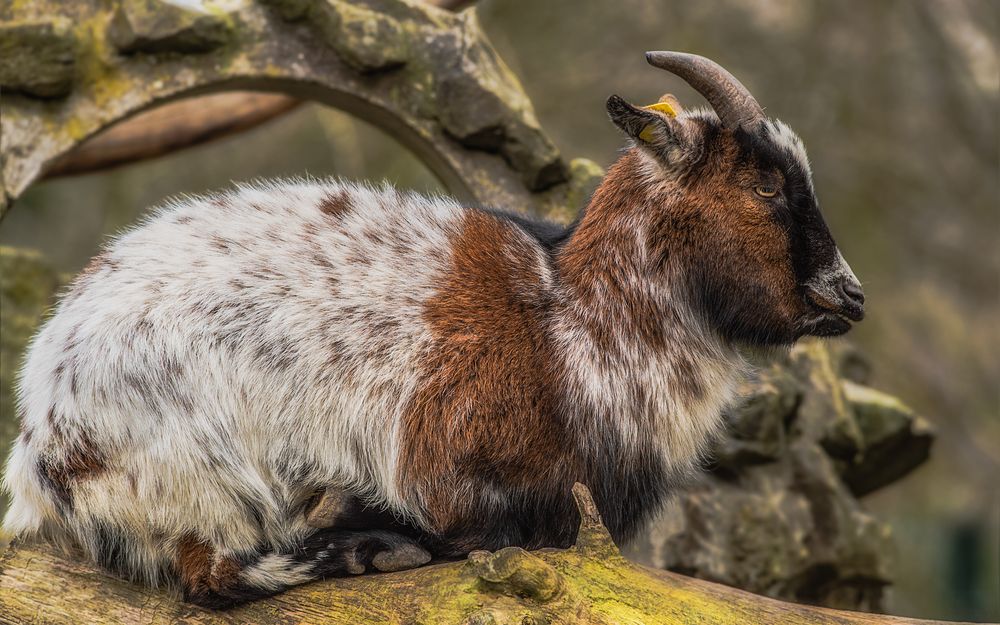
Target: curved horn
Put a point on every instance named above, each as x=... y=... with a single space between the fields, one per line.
x=731 y=100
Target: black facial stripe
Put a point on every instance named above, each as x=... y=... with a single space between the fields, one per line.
x=812 y=246
x=813 y=249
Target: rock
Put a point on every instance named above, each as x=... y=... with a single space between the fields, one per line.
x=778 y=514
x=479 y=108
x=154 y=26
x=365 y=40
x=584 y=177
x=405 y=84
x=788 y=529
x=848 y=548
x=756 y=426
x=38 y=57
x=850 y=362
x=895 y=439
x=824 y=414
x=529 y=151
x=290 y=9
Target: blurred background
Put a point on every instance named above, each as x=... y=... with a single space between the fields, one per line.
x=897 y=102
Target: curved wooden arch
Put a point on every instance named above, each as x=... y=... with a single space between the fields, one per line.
x=426 y=76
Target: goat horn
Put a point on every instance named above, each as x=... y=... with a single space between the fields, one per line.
x=731 y=100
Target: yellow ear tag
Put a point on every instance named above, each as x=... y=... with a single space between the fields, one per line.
x=662 y=107
x=647 y=133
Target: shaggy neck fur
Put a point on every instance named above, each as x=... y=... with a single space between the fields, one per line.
x=639 y=354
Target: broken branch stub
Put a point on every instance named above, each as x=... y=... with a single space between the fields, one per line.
x=593 y=538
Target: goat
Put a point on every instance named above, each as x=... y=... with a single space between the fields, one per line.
x=443 y=373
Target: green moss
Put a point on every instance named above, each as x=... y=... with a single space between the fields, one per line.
x=365 y=40
x=156 y=27
x=75 y=128
x=878 y=414
x=38 y=57
x=99 y=72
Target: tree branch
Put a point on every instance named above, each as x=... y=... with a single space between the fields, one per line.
x=590 y=583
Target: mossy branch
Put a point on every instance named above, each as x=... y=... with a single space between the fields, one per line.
x=588 y=584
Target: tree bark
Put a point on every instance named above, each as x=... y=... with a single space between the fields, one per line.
x=590 y=583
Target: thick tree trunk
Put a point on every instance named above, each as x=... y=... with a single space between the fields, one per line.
x=590 y=583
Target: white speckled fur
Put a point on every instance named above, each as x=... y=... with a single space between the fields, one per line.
x=239 y=351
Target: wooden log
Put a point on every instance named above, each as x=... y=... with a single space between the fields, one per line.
x=590 y=583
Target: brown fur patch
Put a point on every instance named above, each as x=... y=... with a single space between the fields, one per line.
x=75 y=460
x=336 y=204
x=600 y=261
x=485 y=409
x=194 y=561
x=707 y=227
x=736 y=231
x=615 y=281
x=220 y=243
x=201 y=571
x=84 y=459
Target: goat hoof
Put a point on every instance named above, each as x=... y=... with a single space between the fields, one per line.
x=401 y=558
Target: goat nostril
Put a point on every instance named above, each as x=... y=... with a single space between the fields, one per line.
x=853 y=291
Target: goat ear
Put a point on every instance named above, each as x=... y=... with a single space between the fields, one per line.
x=653 y=127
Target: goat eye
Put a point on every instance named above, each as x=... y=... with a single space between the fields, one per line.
x=765 y=190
